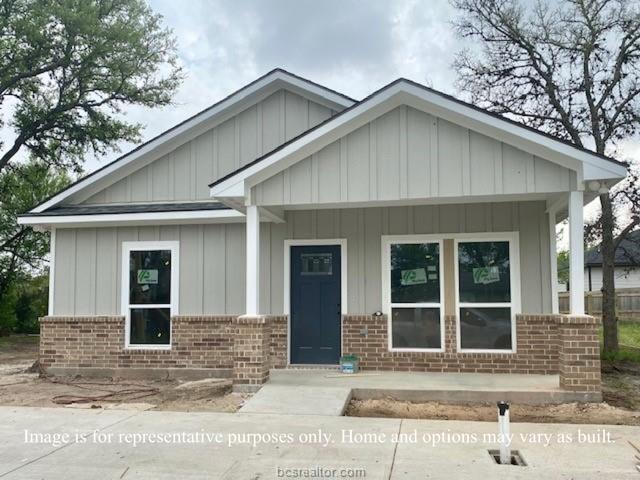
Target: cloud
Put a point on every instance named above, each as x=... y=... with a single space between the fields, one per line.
x=353 y=46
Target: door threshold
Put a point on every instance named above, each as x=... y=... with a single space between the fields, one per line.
x=312 y=366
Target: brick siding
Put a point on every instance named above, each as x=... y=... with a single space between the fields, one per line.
x=251 y=339
x=279 y=343
x=579 y=354
x=98 y=342
x=246 y=347
x=537 y=348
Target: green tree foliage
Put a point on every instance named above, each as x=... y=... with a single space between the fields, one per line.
x=569 y=67
x=563 y=266
x=22 y=249
x=67 y=67
x=31 y=303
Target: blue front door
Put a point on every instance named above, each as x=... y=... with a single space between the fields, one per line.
x=315 y=304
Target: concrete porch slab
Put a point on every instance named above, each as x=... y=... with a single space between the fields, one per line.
x=427 y=386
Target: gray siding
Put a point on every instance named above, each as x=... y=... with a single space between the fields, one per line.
x=408 y=154
x=88 y=268
x=212 y=257
x=185 y=173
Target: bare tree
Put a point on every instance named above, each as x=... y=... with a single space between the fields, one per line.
x=569 y=68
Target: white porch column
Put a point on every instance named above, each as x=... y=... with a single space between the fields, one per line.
x=576 y=253
x=253 y=260
x=553 y=257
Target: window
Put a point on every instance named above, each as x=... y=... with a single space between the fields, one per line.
x=486 y=293
x=316 y=264
x=413 y=284
x=149 y=292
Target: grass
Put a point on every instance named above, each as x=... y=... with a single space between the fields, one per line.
x=629 y=339
x=16 y=341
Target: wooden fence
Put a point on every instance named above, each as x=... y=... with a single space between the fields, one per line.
x=627 y=303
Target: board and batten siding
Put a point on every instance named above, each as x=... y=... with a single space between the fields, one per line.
x=89 y=260
x=185 y=173
x=409 y=154
x=212 y=257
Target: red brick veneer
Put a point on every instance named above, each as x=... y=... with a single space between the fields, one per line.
x=98 y=342
x=246 y=347
x=279 y=344
x=537 y=348
x=579 y=353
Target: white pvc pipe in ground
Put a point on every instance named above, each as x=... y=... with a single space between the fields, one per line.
x=503 y=427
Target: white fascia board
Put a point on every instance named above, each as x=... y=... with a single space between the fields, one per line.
x=406 y=93
x=195 y=126
x=318 y=94
x=231 y=190
x=597 y=172
x=147 y=218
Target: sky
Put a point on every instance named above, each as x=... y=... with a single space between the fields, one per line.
x=354 y=47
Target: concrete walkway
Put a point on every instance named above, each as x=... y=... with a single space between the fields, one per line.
x=299 y=400
x=248 y=446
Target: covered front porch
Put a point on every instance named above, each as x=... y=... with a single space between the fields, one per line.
x=539 y=344
x=420 y=235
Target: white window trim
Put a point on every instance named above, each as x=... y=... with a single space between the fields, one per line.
x=127 y=248
x=342 y=243
x=387 y=241
x=514 y=265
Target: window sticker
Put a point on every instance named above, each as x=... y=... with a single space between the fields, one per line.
x=413 y=277
x=486 y=275
x=147 y=277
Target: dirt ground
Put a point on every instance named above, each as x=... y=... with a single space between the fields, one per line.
x=22 y=385
x=621 y=405
x=594 y=413
x=621 y=384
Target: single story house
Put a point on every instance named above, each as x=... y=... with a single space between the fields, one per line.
x=289 y=224
x=627 y=265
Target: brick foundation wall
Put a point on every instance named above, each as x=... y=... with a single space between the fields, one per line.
x=98 y=342
x=537 y=348
x=246 y=347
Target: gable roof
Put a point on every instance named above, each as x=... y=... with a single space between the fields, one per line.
x=627 y=254
x=404 y=91
x=261 y=87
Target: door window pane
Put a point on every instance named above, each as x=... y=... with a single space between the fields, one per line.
x=484 y=272
x=415 y=273
x=485 y=328
x=415 y=327
x=150 y=277
x=150 y=326
x=316 y=264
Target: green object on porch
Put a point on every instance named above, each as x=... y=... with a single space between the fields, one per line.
x=349 y=364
